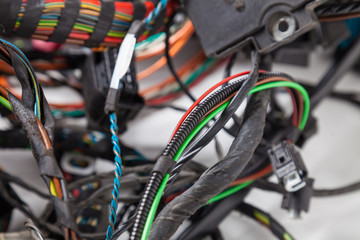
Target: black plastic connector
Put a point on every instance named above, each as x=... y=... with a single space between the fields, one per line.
x=125 y=102
x=288 y=166
x=299 y=201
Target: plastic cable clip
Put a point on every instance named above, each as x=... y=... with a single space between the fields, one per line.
x=288 y=166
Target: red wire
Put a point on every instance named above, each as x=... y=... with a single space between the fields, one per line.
x=257 y=175
x=204 y=95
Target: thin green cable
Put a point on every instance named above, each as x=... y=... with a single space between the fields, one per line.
x=149 y=40
x=229 y=192
x=259 y=88
x=5 y=103
x=198 y=128
x=293 y=85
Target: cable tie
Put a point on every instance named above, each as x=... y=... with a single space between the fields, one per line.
x=164 y=164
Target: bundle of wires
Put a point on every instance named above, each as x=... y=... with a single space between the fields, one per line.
x=87 y=22
x=34 y=114
x=210 y=104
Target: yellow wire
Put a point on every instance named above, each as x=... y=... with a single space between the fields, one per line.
x=262 y=218
x=52 y=188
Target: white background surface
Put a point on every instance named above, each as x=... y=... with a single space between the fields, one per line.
x=332 y=158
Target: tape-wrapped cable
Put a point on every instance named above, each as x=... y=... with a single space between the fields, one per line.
x=66 y=21
x=8 y=14
x=219 y=176
x=31 y=18
x=103 y=24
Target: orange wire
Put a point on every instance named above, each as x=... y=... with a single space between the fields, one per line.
x=73 y=235
x=44 y=135
x=187 y=29
x=58 y=188
x=255 y=176
x=339 y=17
x=188 y=66
x=162 y=61
x=66 y=233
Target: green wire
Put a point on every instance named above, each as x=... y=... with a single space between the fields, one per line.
x=5 y=103
x=198 y=128
x=149 y=40
x=293 y=85
x=75 y=113
x=153 y=208
x=158 y=195
x=228 y=192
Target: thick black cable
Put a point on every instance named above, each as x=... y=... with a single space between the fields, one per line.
x=274 y=226
x=208 y=222
x=218 y=177
x=170 y=63
x=337 y=191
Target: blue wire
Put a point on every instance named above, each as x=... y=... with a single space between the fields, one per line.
x=115 y=192
x=155 y=13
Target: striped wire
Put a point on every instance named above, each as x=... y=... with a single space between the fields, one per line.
x=115 y=192
x=154 y=14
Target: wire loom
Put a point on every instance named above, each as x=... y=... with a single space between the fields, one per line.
x=39 y=126
x=86 y=22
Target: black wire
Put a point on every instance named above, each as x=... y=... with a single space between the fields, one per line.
x=229 y=111
x=230 y=65
x=337 y=191
x=123 y=227
x=220 y=122
x=180 y=109
x=9 y=178
x=274 y=226
x=170 y=63
x=176 y=170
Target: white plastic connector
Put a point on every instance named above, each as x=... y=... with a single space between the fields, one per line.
x=123 y=59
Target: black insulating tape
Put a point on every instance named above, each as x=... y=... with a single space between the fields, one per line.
x=45 y=158
x=103 y=25
x=218 y=177
x=64 y=213
x=8 y=14
x=164 y=164
x=22 y=74
x=29 y=22
x=66 y=21
x=139 y=10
